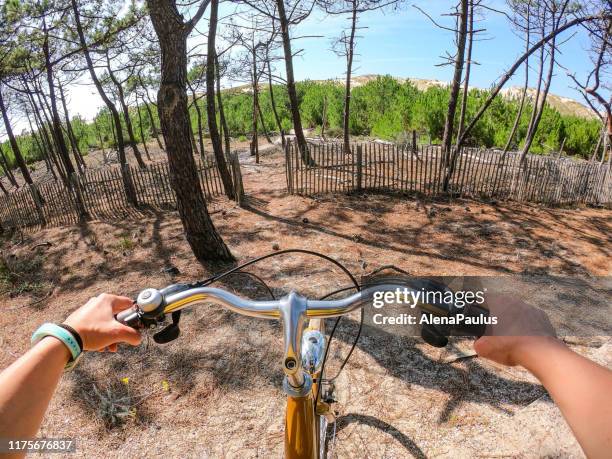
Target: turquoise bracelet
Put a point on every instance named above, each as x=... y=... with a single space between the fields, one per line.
x=63 y=335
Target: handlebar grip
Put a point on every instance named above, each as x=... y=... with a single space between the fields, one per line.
x=130 y=317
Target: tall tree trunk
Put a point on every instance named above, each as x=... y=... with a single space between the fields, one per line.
x=71 y=137
x=142 y=136
x=536 y=101
x=128 y=184
x=57 y=129
x=114 y=133
x=198 y=118
x=449 y=123
x=347 y=85
x=517 y=120
x=126 y=113
x=14 y=146
x=55 y=123
x=47 y=127
x=7 y=169
x=254 y=138
x=540 y=108
x=200 y=232
x=215 y=138
x=40 y=145
x=99 y=134
x=273 y=103
x=291 y=89
x=78 y=155
x=153 y=125
x=194 y=144
x=147 y=103
x=47 y=138
x=597 y=145
x=263 y=124
x=46 y=143
x=468 y=68
x=226 y=135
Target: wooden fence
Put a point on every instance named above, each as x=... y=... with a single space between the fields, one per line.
x=103 y=194
x=479 y=173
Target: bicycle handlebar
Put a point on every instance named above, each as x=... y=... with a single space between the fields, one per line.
x=293 y=310
x=174 y=298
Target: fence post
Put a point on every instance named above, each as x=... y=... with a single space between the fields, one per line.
x=359 y=167
x=289 y=168
x=238 y=186
x=414 y=140
x=37 y=203
x=561 y=148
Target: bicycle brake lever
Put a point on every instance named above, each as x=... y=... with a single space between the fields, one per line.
x=170 y=332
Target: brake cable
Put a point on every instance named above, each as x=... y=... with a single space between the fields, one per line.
x=357 y=336
x=331 y=337
x=217 y=277
x=256 y=277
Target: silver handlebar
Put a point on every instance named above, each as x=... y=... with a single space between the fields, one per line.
x=252 y=308
x=271 y=309
x=293 y=310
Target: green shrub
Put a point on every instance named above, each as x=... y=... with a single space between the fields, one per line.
x=383 y=107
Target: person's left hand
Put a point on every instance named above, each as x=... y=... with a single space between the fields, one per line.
x=95 y=322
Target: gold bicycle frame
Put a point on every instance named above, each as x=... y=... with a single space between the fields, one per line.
x=300 y=428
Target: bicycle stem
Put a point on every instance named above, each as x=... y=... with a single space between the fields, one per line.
x=293 y=316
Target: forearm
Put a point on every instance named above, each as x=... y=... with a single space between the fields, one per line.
x=27 y=387
x=582 y=390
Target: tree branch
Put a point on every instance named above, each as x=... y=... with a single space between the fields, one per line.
x=196 y=17
x=433 y=20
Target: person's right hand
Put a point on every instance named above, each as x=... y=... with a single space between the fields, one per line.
x=95 y=322
x=520 y=329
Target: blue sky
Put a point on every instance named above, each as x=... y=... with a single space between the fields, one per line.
x=402 y=43
x=405 y=43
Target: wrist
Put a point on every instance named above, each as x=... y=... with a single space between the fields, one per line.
x=75 y=332
x=535 y=349
x=78 y=330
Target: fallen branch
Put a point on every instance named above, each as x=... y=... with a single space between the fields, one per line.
x=40 y=300
x=45 y=244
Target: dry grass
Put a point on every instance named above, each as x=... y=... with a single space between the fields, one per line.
x=21 y=274
x=215 y=392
